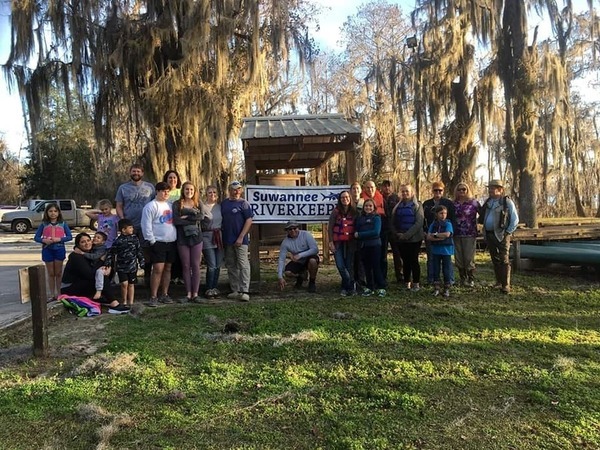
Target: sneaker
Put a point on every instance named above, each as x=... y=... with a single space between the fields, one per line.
x=436 y=292
x=367 y=292
x=407 y=285
x=447 y=293
x=216 y=292
x=470 y=283
x=234 y=296
x=184 y=299
x=153 y=302
x=312 y=287
x=344 y=293
x=166 y=299
x=244 y=297
x=381 y=292
x=119 y=309
x=416 y=287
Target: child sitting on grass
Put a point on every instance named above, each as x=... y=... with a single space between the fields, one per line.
x=442 y=248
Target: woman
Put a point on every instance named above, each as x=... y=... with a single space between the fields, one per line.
x=213 y=244
x=79 y=277
x=172 y=178
x=341 y=241
x=465 y=233
x=188 y=212
x=407 y=226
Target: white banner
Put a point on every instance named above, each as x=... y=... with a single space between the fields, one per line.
x=305 y=204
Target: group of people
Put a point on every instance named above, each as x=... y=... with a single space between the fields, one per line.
x=156 y=227
x=366 y=221
x=165 y=226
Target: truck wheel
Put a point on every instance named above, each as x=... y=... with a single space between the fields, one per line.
x=20 y=226
x=93 y=225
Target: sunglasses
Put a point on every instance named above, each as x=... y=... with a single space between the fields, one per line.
x=438 y=190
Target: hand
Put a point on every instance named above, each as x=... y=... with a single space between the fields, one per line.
x=282 y=283
x=78 y=251
x=97 y=295
x=295 y=258
x=356 y=234
x=239 y=242
x=106 y=271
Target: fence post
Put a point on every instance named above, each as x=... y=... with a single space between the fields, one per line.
x=39 y=309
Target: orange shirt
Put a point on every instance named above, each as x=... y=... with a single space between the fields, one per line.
x=378 y=199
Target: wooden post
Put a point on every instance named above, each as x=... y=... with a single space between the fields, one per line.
x=516 y=255
x=254 y=246
x=39 y=309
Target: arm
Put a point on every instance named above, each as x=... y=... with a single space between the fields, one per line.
x=147 y=213
x=330 y=231
x=313 y=248
x=245 y=231
x=513 y=216
x=374 y=232
x=140 y=254
x=92 y=214
x=119 y=209
x=38 y=235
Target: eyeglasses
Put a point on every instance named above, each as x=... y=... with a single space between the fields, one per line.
x=461 y=189
x=438 y=190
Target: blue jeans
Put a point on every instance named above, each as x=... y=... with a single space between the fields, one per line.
x=214 y=259
x=371 y=259
x=445 y=262
x=344 y=261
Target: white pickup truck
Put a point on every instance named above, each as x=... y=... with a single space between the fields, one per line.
x=21 y=221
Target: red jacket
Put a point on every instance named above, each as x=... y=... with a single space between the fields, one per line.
x=378 y=198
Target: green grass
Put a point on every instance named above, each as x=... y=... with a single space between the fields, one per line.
x=478 y=371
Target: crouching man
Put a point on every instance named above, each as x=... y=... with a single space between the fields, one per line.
x=304 y=255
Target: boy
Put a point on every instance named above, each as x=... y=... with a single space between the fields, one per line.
x=442 y=248
x=127 y=252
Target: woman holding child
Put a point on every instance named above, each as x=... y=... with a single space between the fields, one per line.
x=188 y=212
x=79 y=277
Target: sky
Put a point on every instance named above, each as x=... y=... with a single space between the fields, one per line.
x=332 y=17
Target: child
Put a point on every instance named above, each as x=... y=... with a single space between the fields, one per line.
x=107 y=221
x=127 y=251
x=52 y=234
x=368 y=227
x=442 y=248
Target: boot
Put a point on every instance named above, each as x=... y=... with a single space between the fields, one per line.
x=505 y=279
x=499 y=277
x=471 y=278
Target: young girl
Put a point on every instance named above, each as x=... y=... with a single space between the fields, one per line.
x=442 y=248
x=52 y=234
x=108 y=222
x=188 y=212
x=368 y=227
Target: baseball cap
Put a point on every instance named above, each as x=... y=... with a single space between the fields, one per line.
x=291 y=224
x=235 y=185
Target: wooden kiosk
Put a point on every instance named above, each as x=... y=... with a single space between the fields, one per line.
x=294 y=143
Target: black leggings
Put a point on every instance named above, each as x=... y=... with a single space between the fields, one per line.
x=85 y=288
x=409 y=252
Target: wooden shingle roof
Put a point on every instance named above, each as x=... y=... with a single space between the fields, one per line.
x=288 y=142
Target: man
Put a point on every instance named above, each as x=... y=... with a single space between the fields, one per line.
x=500 y=220
x=161 y=236
x=390 y=199
x=131 y=198
x=304 y=255
x=237 y=220
x=437 y=190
